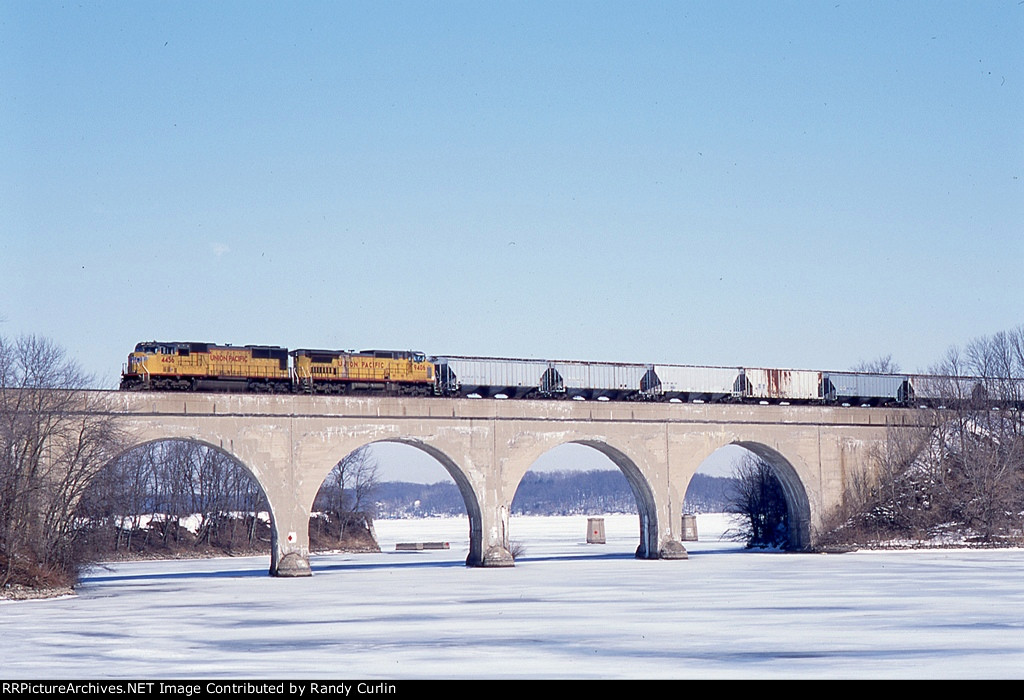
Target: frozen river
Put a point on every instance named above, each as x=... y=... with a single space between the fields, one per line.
x=567 y=610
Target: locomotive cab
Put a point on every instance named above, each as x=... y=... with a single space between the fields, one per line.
x=149 y=359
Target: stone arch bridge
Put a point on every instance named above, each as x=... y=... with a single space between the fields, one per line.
x=290 y=444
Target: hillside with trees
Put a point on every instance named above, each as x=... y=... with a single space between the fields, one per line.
x=957 y=483
x=961 y=482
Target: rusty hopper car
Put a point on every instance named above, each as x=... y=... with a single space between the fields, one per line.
x=781 y=384
x=207 y=366
x=339 y=372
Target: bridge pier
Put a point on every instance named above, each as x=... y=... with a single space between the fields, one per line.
x=289 y=541
x=291 y=565
x=498 y=556
x=673 y=549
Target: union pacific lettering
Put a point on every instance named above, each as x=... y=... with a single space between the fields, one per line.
x=229 y=357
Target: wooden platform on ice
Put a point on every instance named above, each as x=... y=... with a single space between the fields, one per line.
x=417 y=546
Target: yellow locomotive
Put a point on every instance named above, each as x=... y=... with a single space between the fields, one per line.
x=206 y=366
x=388 y=371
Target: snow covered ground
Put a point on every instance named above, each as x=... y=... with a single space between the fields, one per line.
x=567 y=610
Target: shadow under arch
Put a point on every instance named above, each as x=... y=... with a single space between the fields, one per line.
x=797 y=505
x=647 y=510
x=469 y=496
x=233 y=458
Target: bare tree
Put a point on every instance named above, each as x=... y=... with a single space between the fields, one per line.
x=117 y=500
x=54 y=438
x=347 y=492
x=883 y=364
x=759 y=505
x=998 y=361
x=908 y=481
x=981 y=436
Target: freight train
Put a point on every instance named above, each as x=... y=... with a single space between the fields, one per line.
x=186 y=366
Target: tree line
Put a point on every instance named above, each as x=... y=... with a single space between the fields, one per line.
x=174 y=496
x=180 y=497
x=573 y=492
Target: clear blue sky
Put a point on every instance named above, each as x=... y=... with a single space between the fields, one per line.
x=787 y=184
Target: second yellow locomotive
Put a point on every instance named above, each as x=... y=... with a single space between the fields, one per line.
x=337 y=372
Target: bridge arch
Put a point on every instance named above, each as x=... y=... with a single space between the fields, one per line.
x=458 y=475
x=646 y=504
x=646 y=501
x=797 y=504
x=798 y=507
x=219 y=448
